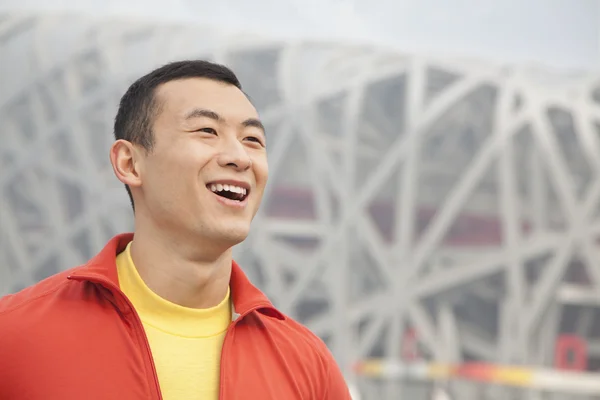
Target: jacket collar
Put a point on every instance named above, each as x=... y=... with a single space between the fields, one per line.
x=245 y=296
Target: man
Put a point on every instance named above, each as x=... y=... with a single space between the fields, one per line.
x=166 y=313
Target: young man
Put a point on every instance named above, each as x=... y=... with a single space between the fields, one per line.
x=165 y=313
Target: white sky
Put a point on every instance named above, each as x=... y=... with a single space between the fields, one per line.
x=560 y=33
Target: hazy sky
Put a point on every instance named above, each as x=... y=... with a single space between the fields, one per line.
x=562 y=33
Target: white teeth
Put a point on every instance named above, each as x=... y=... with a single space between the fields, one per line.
x=217 y=187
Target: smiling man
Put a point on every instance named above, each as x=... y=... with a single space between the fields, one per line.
x=165 y=313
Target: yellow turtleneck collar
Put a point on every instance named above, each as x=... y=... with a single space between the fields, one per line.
x=169 y=317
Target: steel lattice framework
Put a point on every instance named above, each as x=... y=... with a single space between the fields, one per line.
x=449 y=196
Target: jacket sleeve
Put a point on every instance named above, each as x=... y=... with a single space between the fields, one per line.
x=336 y=387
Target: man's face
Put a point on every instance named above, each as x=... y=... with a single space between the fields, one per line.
x=207 y=172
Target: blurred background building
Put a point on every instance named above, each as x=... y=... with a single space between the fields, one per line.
x=435 y=172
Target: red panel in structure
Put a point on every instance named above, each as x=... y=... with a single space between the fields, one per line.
x=410 y=346
x=571 y=353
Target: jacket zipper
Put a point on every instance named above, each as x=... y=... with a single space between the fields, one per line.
x=225 y=347
x=138 y=326
x=222 y=368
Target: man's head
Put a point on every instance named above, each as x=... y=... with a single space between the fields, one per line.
x=191 y=151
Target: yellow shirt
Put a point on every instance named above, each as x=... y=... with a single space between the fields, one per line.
x=185 y=342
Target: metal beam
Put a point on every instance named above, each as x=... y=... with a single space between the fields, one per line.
x=514 y=349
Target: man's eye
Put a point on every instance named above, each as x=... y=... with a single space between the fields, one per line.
x=255 y=139
x=208 y=130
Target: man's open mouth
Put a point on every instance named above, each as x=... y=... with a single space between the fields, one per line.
x=231 y=192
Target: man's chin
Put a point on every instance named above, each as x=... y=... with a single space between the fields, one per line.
x=232 y=235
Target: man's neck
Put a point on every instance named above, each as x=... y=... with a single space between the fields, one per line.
x=180 y=272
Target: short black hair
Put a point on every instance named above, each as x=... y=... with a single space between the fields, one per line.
x=138 y=106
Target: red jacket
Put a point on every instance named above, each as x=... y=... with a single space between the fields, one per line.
x=76 y=336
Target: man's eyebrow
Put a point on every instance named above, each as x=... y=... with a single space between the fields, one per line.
x=255 y=123
x=202 y=113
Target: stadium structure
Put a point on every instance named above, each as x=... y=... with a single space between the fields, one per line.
x=438 y=213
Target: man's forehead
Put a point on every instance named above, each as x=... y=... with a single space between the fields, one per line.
x=182 y=97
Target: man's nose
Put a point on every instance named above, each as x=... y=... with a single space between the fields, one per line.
x=233 y=155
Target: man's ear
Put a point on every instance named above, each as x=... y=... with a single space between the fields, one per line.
x=125 y=159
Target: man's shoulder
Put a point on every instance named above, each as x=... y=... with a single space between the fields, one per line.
x=308 y=336
x=25 y=317
x=300 y=339
x=32 y=295
x=307 y=356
